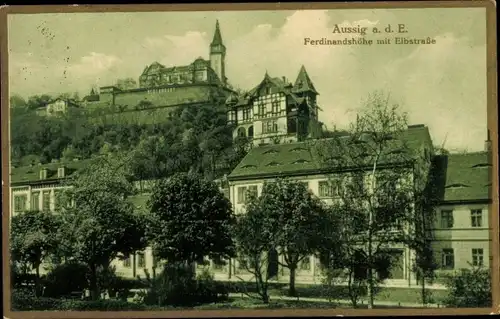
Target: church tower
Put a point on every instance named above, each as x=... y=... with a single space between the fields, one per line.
x=218 y=54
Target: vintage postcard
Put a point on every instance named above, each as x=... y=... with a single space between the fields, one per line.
x=250 y=160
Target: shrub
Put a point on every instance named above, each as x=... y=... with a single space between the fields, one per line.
x=25 y=300
x=100 y=305
x=64 y=279
x=177 y=285
x=469 y=288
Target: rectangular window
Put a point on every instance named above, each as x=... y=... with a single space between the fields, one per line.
x=46 y=201
x=326 y=189
x=241 y=195
x=446 y=219
x=275 y=106
x=448 y=259
x=269 y=127
x=476 y=218
x=60 y=172
x=141 y=260
x=20 y=203
x=305 y=264
x=246 y=114
x=253 y=190
x=35 y=201
x=262 y=109
x=126 y=262
x=477 y=257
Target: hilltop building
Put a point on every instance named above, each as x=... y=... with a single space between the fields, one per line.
x=281 y=118
x=57 y=107
x=202 y=81
x=276 y=111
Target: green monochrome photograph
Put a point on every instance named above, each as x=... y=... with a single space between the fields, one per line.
x=224 y=159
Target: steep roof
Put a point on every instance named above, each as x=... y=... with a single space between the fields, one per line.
x=304 y=158
x=217 y=40
x=465 y=177
x=303 y=82
x=31 y=174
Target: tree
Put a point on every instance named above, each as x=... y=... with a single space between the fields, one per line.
x=428 y=193
x=37 y=101
x=126 y=84
x=378 y=191
x=101 y=225
x=469 y=288
x=17 y=101
x=255 y=238
x=299 y=219
x=33 y=239
x=190 y=219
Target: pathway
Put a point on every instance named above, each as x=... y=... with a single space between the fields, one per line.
x=361 y=302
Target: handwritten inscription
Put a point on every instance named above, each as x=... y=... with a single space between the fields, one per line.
x=358 y=35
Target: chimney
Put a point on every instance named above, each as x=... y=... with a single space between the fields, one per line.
x=284 y=79
x=487 y=143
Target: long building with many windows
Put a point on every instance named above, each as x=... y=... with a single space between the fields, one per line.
x=461 y=230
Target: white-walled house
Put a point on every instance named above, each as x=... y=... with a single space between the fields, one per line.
x=57 y=107
x=36 y=188
x=460 y=233
x=465 y=183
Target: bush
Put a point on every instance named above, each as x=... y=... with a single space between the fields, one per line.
x=65 y=279
x=177 y=285
x=469 y=288
x=100 y=305
x=25 y=301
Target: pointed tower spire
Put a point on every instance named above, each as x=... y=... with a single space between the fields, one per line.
x=218 y=54
x=217 y=40
x=303 y=83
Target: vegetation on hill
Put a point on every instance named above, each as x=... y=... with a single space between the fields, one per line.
x=191 y=139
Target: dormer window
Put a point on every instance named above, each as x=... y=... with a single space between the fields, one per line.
x=43 y=173
x=60 y=172
x=273 y=164
x=301 y=161
x=270 y=152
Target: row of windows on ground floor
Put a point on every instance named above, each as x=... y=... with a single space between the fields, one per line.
x=447 y=261
x=327 y=190
x=45 y=200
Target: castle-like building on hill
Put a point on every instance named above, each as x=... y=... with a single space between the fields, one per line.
x=202 y=81
x=276 y=111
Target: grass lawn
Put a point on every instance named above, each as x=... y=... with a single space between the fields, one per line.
x=248 y=303
x=403 y=295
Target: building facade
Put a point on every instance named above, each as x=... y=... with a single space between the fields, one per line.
x=460 y=231
x=276 y=111
x=57 y=107
x=38 y=188
x=202 y=81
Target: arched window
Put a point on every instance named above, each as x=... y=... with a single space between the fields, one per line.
x=241 y=132
x=250 y=131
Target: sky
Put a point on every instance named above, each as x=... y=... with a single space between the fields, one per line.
x=442 y=85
